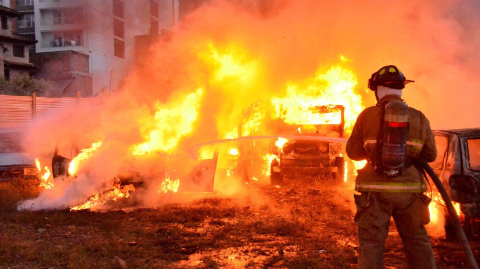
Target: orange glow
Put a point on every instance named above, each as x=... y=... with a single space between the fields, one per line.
x=335 y=87
x=438 y=204
x=268 y=158
x=170 y=125
x=359 y=164
x=83 y=156
x=233 y=151
x=169 y=185
x=280 y=142
x=100 y=199
x=45 y=176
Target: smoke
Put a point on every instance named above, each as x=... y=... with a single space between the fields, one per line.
x=235 y=53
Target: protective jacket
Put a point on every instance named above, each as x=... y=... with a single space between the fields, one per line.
x=362 y=142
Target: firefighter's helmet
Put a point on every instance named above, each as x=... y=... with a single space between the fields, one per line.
x=389 y=76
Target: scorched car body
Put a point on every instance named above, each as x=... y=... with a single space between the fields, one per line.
x=312 y=157
x=458 y=167
x=17 y=160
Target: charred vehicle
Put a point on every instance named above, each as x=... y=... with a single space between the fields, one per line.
x=458 y=167
x=199 y=174
x=17 y=160
x=306 y=156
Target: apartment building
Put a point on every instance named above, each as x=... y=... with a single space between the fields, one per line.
x=25 y=24
x=14 y=55
x=96 y=34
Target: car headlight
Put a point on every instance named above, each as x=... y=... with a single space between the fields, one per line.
x=287 y=148
x=323 y=147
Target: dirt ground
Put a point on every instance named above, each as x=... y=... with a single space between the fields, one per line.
x=295 y=226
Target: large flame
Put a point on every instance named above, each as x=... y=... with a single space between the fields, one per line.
x=82 y=157
x=170 y=124
x=335 y=87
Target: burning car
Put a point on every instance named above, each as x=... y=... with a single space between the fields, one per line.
x=458 y=167
x=17 y=160
x=199 y=178
x=310 y=156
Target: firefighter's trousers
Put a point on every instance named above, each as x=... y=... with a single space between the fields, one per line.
x=410 y=213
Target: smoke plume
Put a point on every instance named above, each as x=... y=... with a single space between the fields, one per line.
x=226 y=55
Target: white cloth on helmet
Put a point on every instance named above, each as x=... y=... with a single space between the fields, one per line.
x=383 y=91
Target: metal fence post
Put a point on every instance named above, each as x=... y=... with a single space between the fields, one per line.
x=34 y=105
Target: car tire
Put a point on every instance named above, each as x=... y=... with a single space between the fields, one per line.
x=450 y=233
x=340 y=164
x=276 y=178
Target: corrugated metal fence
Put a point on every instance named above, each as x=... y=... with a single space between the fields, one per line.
x=17 y=111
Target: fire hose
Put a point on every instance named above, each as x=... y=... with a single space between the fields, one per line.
x=451 y=212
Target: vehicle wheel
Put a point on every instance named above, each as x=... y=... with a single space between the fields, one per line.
x=450 y=233
x=340 y=164
x=276 y=178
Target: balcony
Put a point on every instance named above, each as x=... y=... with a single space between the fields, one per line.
x=26 y=23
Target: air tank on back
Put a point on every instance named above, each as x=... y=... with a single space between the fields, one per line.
x=395 y=128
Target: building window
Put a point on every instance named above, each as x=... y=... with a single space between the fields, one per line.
x=57 y=17
x=4 y=22
x=23 y=2
x=119 y=48
x=118 y=8
x=26 y=21
x=6 y=74
x=154 y=8
x=62 y=39
x=118 y=28
x=19 y=51
x=73 y=38
x=67 y=16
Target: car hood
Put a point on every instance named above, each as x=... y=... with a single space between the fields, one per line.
x=16 y=159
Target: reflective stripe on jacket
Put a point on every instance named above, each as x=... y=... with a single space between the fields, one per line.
x=361 y=146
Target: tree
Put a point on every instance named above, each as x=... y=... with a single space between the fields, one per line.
x=24 y=85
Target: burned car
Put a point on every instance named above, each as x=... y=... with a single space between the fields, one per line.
x=306 y=156
x=458 y=167
x=198 y=176
x=17 y=159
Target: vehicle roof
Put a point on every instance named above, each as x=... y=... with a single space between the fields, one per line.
x=466 y=132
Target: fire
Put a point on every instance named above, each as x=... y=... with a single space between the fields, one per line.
x=359 y=164
x=115 y=193
x=169 y=185
x=268 y=158
x=233 y=151
x=46 y=175
x=335 y=87
x=437 y=204
x=230 y=65
x=83 y=156
x=280 y=142
x=170 y=125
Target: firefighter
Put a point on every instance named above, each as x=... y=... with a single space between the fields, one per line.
x=386 y=189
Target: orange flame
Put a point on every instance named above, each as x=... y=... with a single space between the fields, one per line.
x=335 y=87
x=169 y=185
x=437 y=204
x=280 y=142
x=83 y=156
x=100 y=199
x=268 y=158
x=170 y=125
x=45 y=177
